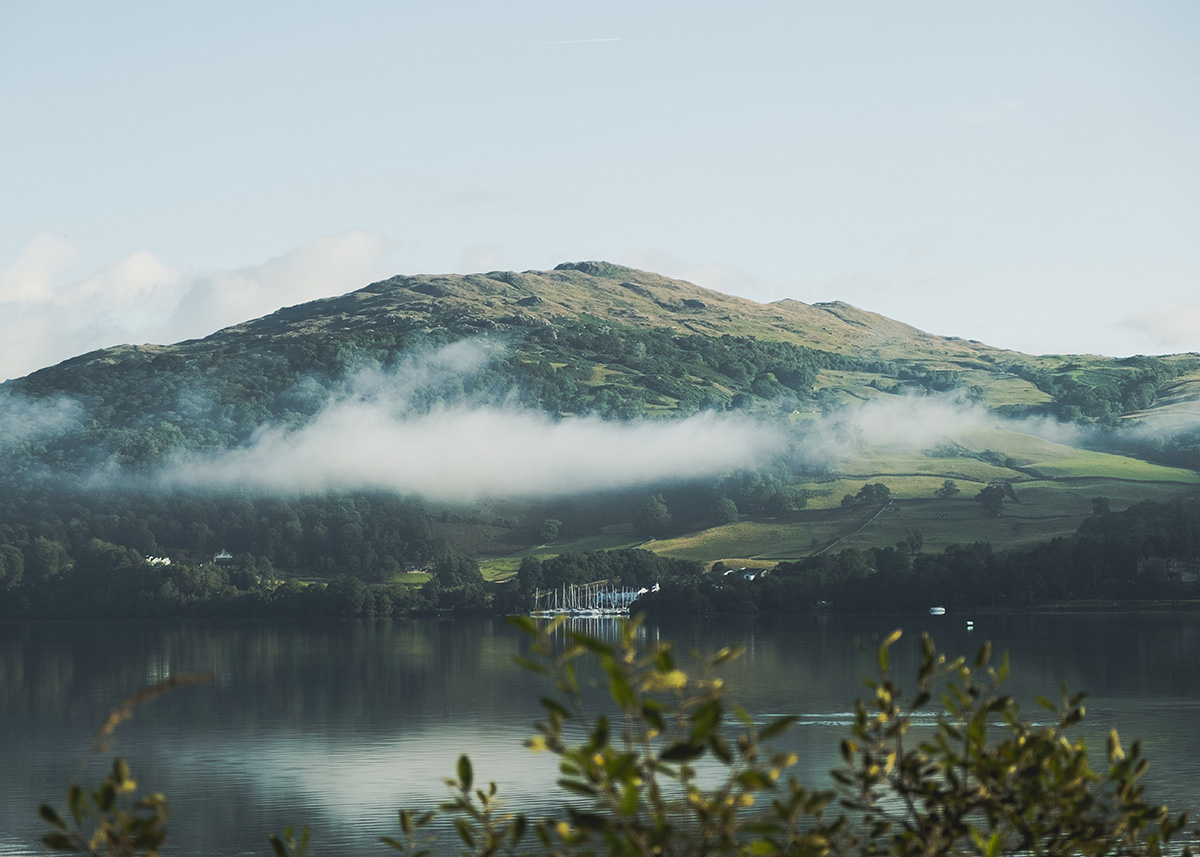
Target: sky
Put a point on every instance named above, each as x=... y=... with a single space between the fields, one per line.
x=1021 y=173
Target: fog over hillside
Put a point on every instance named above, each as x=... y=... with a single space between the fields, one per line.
x=373 y=435
x=355 y=392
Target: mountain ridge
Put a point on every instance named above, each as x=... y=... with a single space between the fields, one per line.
x=599 y=291
x=875 y=355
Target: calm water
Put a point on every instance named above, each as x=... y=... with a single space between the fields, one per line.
x=336 y=725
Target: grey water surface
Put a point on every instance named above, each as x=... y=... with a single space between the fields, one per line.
x=335 y=725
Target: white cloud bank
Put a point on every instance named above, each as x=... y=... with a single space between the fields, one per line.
x=46 y=316
x=467 y=453
x=371 y=438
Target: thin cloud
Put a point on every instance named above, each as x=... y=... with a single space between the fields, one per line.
x=473 y=199
x=373 y=437
x=43 y=261
x=47 y=316
x=998 y=114
x=23 y=420
x=1172 y=328
x=566 y=42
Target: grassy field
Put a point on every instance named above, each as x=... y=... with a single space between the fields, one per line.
x=1054 y=484
x=1085 y=463
x=1046 y=509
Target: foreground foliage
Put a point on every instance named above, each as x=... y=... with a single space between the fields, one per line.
x=656 y=760
x=664 y=773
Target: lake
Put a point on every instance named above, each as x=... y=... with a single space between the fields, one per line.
x=336 y=725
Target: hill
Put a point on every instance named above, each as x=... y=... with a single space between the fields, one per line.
x=589 y=406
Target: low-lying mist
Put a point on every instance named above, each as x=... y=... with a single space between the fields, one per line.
x=376 y=430
x=465 y=453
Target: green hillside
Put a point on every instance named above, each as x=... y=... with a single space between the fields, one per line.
x=89 y=448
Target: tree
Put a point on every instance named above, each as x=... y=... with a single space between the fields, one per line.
x=452 y=570
x=549 y=530
x=871 y=494
x=12 y=566
x=653 y=518
x=948 y=490
x=992 y=497
x=912 y=542
x=725 y=511
x=46 y=559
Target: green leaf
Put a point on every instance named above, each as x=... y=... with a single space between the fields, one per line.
x=985 y=655
x=587 y=820
x=653 y=710
x=532 y=666
x=465 y=833
x=577 y=787
x=524 y=623
x=742 y=714
x=600 y=734
x=726 y=655
x=592 y=644
x=1115 y=751
x=60 y=842
x=720 y=748
x=705 y=720
x=620 y=691
x=778 y=727
x=754 y=780
x=465 y=774
x=682 y=752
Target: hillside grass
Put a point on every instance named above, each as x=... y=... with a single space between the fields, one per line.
x=1046 y=509
x=1086 y=463
x=1054 y=483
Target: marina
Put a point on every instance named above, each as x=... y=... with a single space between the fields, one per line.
x=587 y=599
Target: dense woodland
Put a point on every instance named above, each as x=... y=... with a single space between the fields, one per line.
x=46 y=572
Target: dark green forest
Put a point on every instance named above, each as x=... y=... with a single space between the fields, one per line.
x=60 y=570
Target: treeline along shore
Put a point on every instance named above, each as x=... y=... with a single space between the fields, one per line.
x=102 y=561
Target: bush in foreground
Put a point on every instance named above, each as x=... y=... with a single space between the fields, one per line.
x=671 y=767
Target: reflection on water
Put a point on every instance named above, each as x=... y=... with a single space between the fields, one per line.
x=335 y=725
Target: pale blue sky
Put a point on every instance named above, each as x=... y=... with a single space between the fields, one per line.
x=1024 y=173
